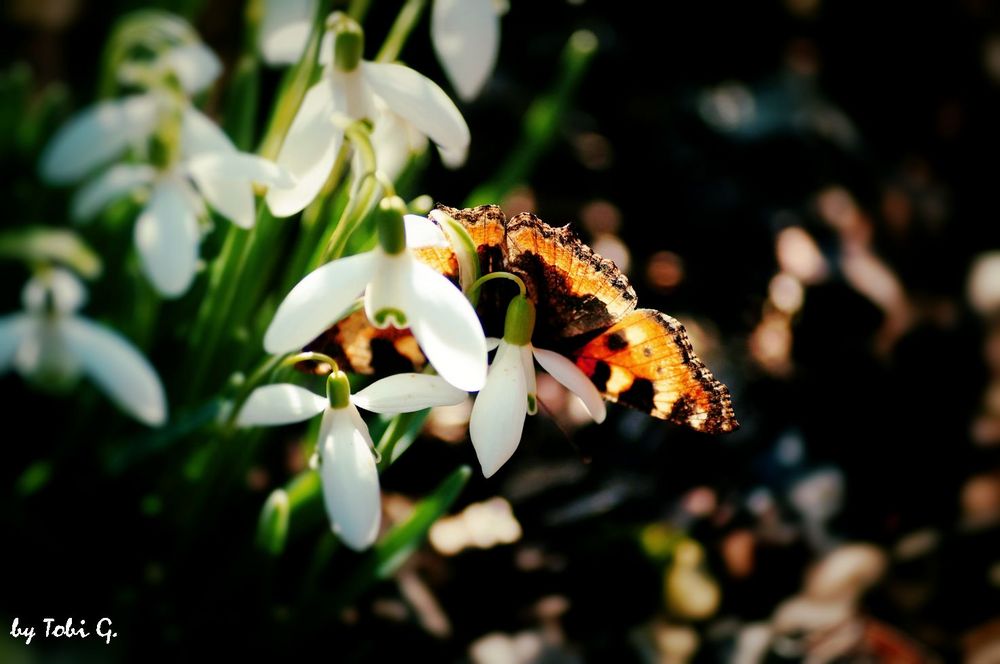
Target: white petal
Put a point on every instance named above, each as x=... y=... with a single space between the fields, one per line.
x=466 y=36
x=195 y=65
x=285 y=30
x=200 y=134
x=420 y=101
x=280 y=404
x=389 y=291
x=109 y=186
x=407 y=392
x=118 y=368
x=233 y=199
x=239 y=166
x=422 y=232
x=308 y=152
x=224 y=179
x=447 y=328
x=14 y=328
x=391 y=139
x=498 y=414
x=45 y=356
x=96 y=135
x=454 y=157
x=529 y=379
x=492 y=343
x=350 y=480
x=167 y=238
x=318 y=301
x=566 y=372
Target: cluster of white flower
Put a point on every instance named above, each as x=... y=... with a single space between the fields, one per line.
x=157 y=145
x=176 y=157
x=399 y=290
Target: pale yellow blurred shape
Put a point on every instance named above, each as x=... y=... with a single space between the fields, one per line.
x=480 y=525
x=800 y=256
x=449 y=423
x=786 y=293
x=499 y=648
x=845 y=573
x=675 y=644
x=980 y=500
x=983 y=287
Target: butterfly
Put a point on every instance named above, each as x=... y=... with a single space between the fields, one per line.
x=586 y=310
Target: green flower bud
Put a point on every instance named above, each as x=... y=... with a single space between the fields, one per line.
x=338 y=390
x=390 y=226
x=520 y=322
x=348 y=41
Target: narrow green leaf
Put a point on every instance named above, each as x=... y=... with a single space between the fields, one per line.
x=398 y=435
x=241 y=102
x=399 y=543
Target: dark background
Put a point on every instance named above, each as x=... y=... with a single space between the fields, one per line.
x=890 y=106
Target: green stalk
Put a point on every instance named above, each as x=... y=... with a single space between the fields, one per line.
x=406 y=20
x=360 y=206
x=294 y=87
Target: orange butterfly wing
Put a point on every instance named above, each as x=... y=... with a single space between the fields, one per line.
x=646 y=361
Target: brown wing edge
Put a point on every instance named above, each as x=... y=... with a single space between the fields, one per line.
x=672 y=384
x=719 y=417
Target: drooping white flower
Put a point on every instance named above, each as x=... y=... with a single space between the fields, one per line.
x=351 y=89
x=345 y=450
x=398 y=290
x=102 y=132
x=209 y=169
x=509 y=394
x=465 y=35
x=52 y=345
x=466 y=38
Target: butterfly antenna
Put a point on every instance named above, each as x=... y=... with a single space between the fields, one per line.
x=566 y=435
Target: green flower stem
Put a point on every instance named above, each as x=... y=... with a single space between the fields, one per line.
x=310 y=356
x=358 y=9
x=361 y=205
x=406 y=20
x=240 y=119
x=263 y=370
x=293 y=87
x=249 y=252
x=541 y=122
x=473 y=293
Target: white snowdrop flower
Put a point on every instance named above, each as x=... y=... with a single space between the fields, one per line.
x=347 y=464
x=466 y=38
x=465 y=35
x=351 y=89
x=509 y=394
x=50 y=344
x=106 y=130
x=201 y=166
x=398 y=290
